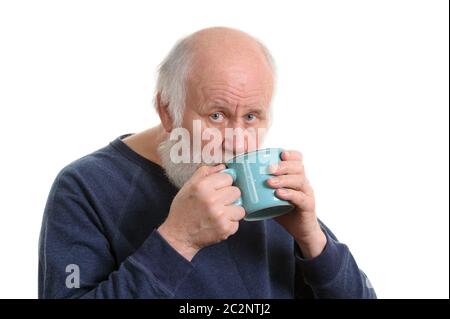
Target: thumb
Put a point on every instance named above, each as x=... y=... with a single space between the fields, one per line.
x=206 y=170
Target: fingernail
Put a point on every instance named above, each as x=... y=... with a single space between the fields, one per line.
x=282 y=191
x=274 y=180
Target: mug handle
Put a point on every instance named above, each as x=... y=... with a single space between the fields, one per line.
x=232 y=173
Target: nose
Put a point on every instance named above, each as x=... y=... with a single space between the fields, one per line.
x=237 y=140
x=235 y=143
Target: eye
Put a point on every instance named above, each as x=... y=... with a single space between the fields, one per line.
x=216 y=117
x=250 y=117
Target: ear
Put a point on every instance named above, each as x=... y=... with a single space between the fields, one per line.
x=164 y=115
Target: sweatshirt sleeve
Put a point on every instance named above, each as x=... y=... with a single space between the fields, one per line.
x=75 y=259
x=332 y=274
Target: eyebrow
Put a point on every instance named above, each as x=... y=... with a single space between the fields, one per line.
x=224 y=106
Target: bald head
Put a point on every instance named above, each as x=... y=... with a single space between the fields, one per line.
x=219 y=51
x=214 y=55
x=217 y=35
x=220 y=43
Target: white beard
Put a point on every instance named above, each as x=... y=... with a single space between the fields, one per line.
x=178 y=173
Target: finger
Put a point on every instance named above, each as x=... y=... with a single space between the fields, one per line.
x=297 y=198
x=296 y=182
x=206 y=170
x=286 y=167
x=232 y=228
x=291 y=155
x=235 y=213
x=218 y=180
x=228 y=195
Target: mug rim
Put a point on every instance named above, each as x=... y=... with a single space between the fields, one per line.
x=232 y=160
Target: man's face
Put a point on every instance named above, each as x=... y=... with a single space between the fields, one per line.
x=227 y=92
x=229 y=96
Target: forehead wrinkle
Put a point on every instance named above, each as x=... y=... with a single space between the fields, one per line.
x=227 y=93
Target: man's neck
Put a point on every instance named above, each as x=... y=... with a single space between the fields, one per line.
x=146 y=143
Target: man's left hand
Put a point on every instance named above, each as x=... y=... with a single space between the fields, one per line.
x=292 y=185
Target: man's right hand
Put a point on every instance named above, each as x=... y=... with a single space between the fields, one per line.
x=202 y=213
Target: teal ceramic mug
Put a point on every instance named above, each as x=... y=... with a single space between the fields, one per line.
x=250 y=172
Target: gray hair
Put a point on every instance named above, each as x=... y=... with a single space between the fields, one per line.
x=173 y=72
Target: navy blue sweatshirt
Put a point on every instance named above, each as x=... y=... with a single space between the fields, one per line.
x=99 y=226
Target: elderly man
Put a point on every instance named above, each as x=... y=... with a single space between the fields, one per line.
x=129 y=222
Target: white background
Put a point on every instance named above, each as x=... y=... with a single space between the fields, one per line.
x=362 y=92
